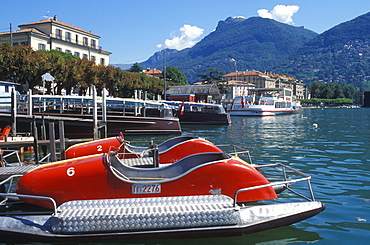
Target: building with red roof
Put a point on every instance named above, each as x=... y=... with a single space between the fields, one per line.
x=53 y=34
x=153 y=72
x=269 y=80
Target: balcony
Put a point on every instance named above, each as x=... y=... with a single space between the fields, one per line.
x=73 y=41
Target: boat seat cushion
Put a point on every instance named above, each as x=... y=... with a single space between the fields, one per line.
x=170 y=171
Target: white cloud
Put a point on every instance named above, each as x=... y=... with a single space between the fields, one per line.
x=186 y=39
x=281 y=13
x=239 y=17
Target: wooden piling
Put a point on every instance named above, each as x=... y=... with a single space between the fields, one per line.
x=14 y=111
x=62 y=143
x=53 y=155
x=35 y=140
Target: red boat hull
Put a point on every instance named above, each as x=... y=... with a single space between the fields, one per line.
x=172 y=152
x=91 y=177
x=93 y=147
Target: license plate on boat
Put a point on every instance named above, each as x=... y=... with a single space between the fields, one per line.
x=146 y=188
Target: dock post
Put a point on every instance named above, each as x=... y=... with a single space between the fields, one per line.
x=53 y=156
x=62 y=142
x=44 y=148
x=95 y=114
x=43 y=128
x=35 y=140
x=29 y=103
x=14 y=111
x=104 y=124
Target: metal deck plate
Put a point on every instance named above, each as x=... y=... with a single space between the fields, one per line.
x=144 y=214
x=5 y=172
x=143 y=161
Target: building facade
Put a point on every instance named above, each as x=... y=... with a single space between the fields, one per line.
x=269 y=80
x=153 y=72
x=259 y=79
x=53 y=34
x=236 y=88
x=203 y=92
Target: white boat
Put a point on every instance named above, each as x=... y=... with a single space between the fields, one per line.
x=265 y=102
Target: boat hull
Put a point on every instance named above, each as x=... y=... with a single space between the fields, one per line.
x=261 y=112
x=170 y=151
x=36 y=228
x=205 y=118
x=99 y=177
x=81 y=126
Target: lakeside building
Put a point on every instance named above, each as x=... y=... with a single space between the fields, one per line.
x=260 y=79
x=153 y=72
x=53 y=34
x=234 y=89
x=270 y=80
x=203 y=93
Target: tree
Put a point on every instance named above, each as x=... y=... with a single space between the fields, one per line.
x=175 y=75
x=136 y=68
x=212 y=75
x=62 y=68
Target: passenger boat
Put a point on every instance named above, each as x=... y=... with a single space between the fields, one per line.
x=265 y=102
x=101 y=197
x=169 y=151
x=131 y=116
x=199 y=113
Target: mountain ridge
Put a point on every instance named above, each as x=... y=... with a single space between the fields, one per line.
x=252 y=42
x=340 y=54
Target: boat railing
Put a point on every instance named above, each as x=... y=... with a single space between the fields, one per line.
x=7 y=155
x=235 y=150
x=11 y=180
x=286 y=182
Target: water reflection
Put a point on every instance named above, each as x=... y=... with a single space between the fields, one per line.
x=283 y=235
x=336 y=155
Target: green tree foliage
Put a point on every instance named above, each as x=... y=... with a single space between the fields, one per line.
x=340 y=55
x=176 y=76
x=23 y=65
x=327 y=102
x=136 y=68
x=335 y=91
x=211 y=75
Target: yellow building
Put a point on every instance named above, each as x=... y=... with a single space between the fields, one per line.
x=269 y=80
x=259 y=79
x=53 y=34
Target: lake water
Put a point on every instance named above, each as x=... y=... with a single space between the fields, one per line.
x=336 y=155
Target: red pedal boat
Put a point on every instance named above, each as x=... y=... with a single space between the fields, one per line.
x=169 y=151
x=106 y=176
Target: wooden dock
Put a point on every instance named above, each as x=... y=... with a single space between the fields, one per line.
x=19 y=144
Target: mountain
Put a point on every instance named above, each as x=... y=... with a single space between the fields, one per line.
x=122 y=66
x=341 y=54
x=255 y=43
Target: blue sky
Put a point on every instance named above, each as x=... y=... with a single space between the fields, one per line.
x=135 y=30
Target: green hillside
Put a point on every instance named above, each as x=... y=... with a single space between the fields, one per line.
x=341 y=54
x=255 y=43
